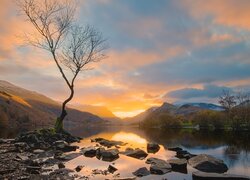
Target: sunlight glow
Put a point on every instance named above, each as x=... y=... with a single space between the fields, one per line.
x=123 y=114
x=128 y=137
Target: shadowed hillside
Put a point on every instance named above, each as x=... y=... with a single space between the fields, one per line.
x=24 y=109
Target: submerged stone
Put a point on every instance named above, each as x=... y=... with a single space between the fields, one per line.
x=207 y=163
x=135 y=153
x=141 y=172
x=158 y=166
x=153 y=147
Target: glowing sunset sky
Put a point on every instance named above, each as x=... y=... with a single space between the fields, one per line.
x=166 y=50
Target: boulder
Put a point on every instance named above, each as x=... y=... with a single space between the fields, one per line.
x=79 y=168
x=112 y=169
x=211 y=176
x=135 y=153
x=89 y=151
x=141 y=172
x=184 y=154
x=107 y=143
x=179 y=165
x=107 y=155
x=153 y=147
x=158 y=166
x=207 y=163
x=175 y=149
x=61 y=165
x=64 y=146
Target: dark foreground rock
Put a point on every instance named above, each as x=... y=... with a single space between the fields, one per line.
x=141 y=172
x=107 y=155
x=30 y=155
x=89 y=151
x=135 y=153
x=175 y=149
x=184 y=154
x=207 y=163
x=45 y=139
x=158 y=166
x=211 y=176
x=107 y=143
x=179 y=165
x=112 y=169
x=153 y=147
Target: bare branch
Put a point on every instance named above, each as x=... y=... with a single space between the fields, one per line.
x=71 y=46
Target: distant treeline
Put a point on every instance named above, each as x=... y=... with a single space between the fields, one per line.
x=236 y=116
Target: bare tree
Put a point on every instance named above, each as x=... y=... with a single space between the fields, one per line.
x=243 y=99
x=227 y=100
x=72 y=47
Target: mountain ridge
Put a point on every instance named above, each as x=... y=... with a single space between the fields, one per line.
x=186 y=109
x=22 y=108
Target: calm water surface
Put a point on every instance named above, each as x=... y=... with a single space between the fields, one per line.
x=233 y=148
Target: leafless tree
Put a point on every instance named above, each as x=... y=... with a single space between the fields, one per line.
x=243 y=100
x=227 y=100
x=72 y=47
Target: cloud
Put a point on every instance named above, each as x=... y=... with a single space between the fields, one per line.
x=186 y=49
x=224 y=12
x=208 y=91
x=208 y=64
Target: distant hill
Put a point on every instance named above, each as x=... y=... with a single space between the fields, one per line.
x=21 y=108
x=140 y=117
x=186 y=110
x=207 y=106
x=100 y=111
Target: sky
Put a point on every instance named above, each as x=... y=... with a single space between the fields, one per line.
x=159 y=51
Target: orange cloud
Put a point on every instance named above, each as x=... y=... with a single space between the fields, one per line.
x=226 y=12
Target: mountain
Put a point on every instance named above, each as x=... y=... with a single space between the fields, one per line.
x=139 y=117
x=186 y=110
x=21 y=108
x=207 y=106
x=100 y=111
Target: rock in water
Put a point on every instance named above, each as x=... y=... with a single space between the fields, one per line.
x=184 y=154
x=137 y=153
x=89 y=151
x=175 y=149
x=64 y=146
x=78 y=168
x=211 y=176
x=107 y=155
x=207 y=163
x=179 y=165
x=153 y=147
x=158 y=166
x=107 y=143
x=141 y=172
x=112 y=169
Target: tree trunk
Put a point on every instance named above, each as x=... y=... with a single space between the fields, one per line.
x=59 y=120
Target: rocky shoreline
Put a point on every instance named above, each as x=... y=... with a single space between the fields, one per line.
x=42 y=154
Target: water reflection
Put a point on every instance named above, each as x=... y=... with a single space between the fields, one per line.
x=233 y=148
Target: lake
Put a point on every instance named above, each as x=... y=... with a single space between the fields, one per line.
x=233 y=148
